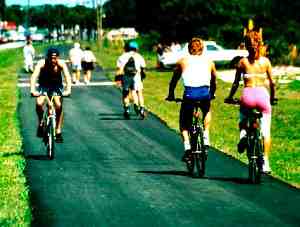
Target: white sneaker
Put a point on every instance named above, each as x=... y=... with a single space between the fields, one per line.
x=206 y=138
x=266 y=166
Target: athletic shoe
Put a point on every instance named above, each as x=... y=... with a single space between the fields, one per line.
x=266 y=166
x=142 y=112
x=126 y=113
x=242 y=145
x=59 y=138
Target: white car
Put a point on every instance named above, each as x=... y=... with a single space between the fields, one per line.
x=214 y=51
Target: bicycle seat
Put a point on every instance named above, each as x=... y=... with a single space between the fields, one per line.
x=256 y=113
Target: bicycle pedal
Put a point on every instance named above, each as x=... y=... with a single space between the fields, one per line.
x=197 y=152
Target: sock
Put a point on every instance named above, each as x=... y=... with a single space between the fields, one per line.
x=243 y=133
x=187 y=145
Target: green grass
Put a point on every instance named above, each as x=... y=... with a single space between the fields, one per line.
x=14 y=199
x=285 y=154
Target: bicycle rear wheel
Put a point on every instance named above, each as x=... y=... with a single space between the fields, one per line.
x=255 y=162
x=200 y=155
x=50 y=140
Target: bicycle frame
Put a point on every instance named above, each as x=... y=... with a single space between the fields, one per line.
x=49 y=125
x=198 y=154
x=254 y=146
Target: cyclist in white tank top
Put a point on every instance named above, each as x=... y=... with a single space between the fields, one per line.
x=197 y=72
x=199 y=78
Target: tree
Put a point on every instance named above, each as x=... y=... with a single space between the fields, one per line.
x=2 y=9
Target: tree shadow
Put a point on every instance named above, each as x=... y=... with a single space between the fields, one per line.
x=235 y=180
x=116 y=116
x=37 y=157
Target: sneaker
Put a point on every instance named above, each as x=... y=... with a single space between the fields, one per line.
x=40 y=131
x=126 y=113
x=136 y=109
x=206 y=139
x=59 y=138
x=266 y=166
x=242 y=145
x=186 y=156
x=142 y=112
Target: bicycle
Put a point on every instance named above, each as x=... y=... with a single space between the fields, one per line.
x=254 y=143
x=199 y=152
x=49 y=126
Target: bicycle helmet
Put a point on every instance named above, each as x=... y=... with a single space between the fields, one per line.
x=52 y=52
x=133 y=45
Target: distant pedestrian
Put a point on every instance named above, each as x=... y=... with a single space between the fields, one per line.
x=28 y=53
x=76 y=55
x=88 y=64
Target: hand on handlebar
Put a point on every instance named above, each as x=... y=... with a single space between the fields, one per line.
x=274 y=101
x=170 y=98
x=230 y=100
x=35 y=94
x=66 y=93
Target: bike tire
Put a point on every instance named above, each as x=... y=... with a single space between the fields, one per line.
x=254 y=161
x=190 y=165
x=50 y=141
x=200 y=156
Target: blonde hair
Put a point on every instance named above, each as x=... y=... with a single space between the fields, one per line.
x=196 y=46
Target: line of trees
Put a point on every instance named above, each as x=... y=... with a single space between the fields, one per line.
x=221 y=20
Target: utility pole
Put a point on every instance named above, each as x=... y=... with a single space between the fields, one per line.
x=99 y=22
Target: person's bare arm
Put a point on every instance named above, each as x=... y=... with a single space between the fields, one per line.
x=271 y=83
x=213 y=84
x=34 y=76
x=236 y=81
x=176 y=76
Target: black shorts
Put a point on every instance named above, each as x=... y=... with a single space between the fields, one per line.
x=87 y=66
x=186 y=112
x=51 y=91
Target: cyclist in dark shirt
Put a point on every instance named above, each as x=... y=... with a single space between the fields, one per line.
x=48 y=73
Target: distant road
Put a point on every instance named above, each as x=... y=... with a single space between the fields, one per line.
x=11 y=45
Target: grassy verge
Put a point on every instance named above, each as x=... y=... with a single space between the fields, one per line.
x=14 y=201
x=285 y=156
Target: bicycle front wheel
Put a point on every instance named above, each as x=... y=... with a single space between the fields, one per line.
x=200 y=156
x=50 y=140
x=255 y=163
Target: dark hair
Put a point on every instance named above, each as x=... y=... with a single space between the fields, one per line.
x=87 y=48
x=52 y=52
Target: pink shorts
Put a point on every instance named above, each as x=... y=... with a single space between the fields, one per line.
x=256 y=98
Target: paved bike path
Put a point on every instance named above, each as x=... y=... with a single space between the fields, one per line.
x=116 y=172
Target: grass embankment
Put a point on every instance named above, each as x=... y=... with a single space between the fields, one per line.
x=285 y=156
x=14 y=199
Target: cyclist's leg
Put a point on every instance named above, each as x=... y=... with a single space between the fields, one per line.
x=185 y=122
x=127 y=88
x=59 y=113
x=205 y=108
x=139 y=99
x=40 y=111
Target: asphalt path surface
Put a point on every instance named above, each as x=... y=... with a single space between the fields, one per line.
x=115 y=172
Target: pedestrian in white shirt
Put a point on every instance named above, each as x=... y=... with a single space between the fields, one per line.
x=28 y=53
x=88 y=64
x=76 y=55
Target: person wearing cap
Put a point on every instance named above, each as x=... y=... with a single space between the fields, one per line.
x=132 y=83
x=76 y=55
x=48 y=73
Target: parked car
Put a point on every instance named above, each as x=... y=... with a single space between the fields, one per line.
x=214 y=51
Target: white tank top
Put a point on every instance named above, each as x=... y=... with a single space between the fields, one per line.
x=197 y=72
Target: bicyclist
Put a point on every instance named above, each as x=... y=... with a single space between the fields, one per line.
x=199 y=79
x=48 y=74
x=134 y=82
x=256 y=73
